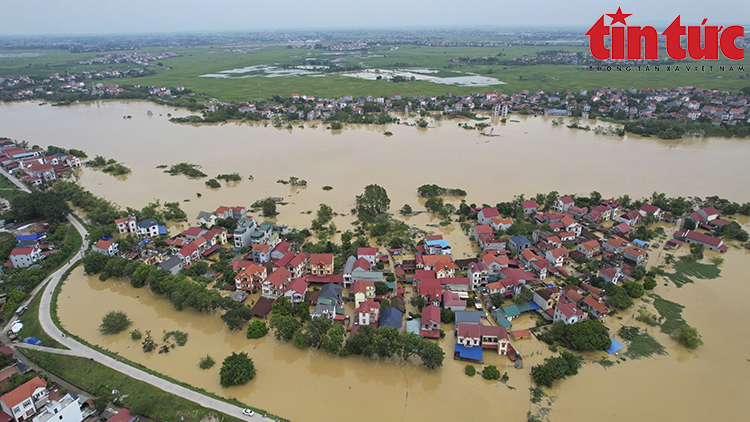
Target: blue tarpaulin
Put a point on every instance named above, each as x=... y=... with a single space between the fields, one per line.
x=106 y=238
x=32 y=340
x=640 y=243
x=162 y=229
x=144 y=241
x=29 y=237
x=473 y=353
x=533 y=306
x=615 y=346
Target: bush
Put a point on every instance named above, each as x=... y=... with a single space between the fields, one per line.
x=257 y=329
x=649 y=283
x=237 y=369
x=634 y=290
x=687 y=336
x=206 y=362
x=136 y=334
x=212 y=183
x=470 y=370
x=491 y=373
x=114 y=322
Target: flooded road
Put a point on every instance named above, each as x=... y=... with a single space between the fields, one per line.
x=528 y=157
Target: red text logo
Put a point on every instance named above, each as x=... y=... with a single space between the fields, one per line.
x=703 y=41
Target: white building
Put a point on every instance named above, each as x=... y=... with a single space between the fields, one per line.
x=25 y=257
x=66 y=410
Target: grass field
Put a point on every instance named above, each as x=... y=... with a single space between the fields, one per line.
x=686 y=272
x=32 y=327
x=671 y=313
x=96 y=378
x=186 y=71
x=644 y=346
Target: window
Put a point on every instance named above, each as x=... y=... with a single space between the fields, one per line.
x=27 y=403
x=16 y=409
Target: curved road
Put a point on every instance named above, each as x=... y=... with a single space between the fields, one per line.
x=81 y=350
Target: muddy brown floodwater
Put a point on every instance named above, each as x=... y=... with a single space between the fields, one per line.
x=528 y=157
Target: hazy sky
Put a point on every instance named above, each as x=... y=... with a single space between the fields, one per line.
x=28 y=17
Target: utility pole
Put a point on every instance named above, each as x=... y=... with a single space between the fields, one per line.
x=260 y=96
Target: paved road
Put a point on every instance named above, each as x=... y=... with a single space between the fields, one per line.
x=15 y=181
x=81 y=350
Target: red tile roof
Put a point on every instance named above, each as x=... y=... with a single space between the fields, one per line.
x=24 y=391
x=367 y=251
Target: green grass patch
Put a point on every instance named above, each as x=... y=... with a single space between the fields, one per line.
x=606 y=363
x=671 y=313
x=99 y=379
x=686 y=272
x=644 y=346
x=32 y=327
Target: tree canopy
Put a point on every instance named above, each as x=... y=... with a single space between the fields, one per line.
x=236 y=369
x=373 y=202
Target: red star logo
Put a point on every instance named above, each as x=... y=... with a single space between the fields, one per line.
x=619 y=17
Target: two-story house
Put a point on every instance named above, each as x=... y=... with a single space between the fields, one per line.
x=25 y=400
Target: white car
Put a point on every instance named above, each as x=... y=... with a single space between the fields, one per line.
x=248 y=412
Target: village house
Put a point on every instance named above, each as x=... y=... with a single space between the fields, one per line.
x=243 y=234
x=501 y=224
x=25 y=257
x=631 y=218
x=547 y=298
x=708 y=241
x=251 y=278
x=368 y=254
x=529 y=207
x=429 y=289
x=24 y=401
x=189 y=254
x=539 y=267
x=205 y=219
x=441 y=264
x=348 y=268
x=65 y=409
x=655 y=211
x=489 y=242
x=147 y=228
x=557 y=256
x=485 y=215
x=276 y=283
x=494 y=263
x=430 y=326
x=615 y=245
x=126 y=225
x=362 y=291
x=568 y=313
x=296 y=290
x=611 y=275
x=589 y=248
x=595 y=308
x=518 y=243
x=294 y=263
x=367 y=312
x=703 y=215
x=280 y=250
x=321 y=264
x=477 y=231
x=452 y=301
x=329 y=300
x=261 y=253
x=635 y=255
x=478 y=274
x=436 y=245
x=107 y=247
x=562 y=204
x=173 y=265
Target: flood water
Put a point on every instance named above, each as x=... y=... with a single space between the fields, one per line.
x=528 y=157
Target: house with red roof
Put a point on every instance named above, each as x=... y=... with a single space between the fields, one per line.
x=647 y=209
x=126 y=225
x=441 y=264
x=430 y=326
x=261 y=253
x=321 y=264
x=485 y=215
x=611 y=275
x=589 y=248
x=223 y=212
x=362 y=264
x=557 y=256
x=478 y=274
x=367 y=312
x=452 y=301
x=43 y=171
x=362 y=291
x=501 y=224
x=189 y=253
x=529 y=207
x=635 y=255
x=276 y=283
x=368 y=254
x=539 y=267
x=280 y=250
x=107 y=247
x=547 y=298
x=568 y=313
x=631 y=217
x=562 y=204
x=469 y=335
x=296 y=290
x=595 y=308
x=429 y=289
x=251 y=278
x=615 y=244
x=703 y=215
x=494 y=337
x=481 y=230
x=708 y=241
x=25 y=257
x=25 y=400
x=494 y=263
x=622 y=229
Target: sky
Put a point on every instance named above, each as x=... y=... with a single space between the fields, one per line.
x=67 y=17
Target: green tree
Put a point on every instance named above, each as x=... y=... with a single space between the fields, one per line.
x=406 y=209
x=617 y=296
x=470 y=370
x=237 y=369
x=302 y=310
x=687 y=336
x=373 y=202
x=381 y=288
x=385 y=303
x=432 y=355
x=447 y=316
x=94 y=262
x=638 y=272
x=649 y=283
x=257 y=329
x=136 y=334
x=589 y=334
x=284 y=326
x=634 y=290
x=114 y=322
x=491 y=372
x=334 y=339
x=267 y=206
x=236 y=317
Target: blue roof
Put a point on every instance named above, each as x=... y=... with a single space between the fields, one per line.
x=442 y=243
x=162 y=229
x=412 y=326
x=614 y=346
x=29 y=237
x=473 y=353
x=549 y=284
x=390 y=317
x=639 y=242
x=533 y=306
x=467 y=317
x=520 y=240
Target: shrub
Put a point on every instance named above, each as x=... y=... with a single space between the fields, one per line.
x=206 y=362
x=470 y=370
x=114 y=322
x=687 y=336
x=491 y=373
x=236 y=369
x=257 y=329
x=136 y=334
x=212 y=183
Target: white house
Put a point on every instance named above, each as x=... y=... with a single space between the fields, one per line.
x=107 y=247
x=485 y=215
x=148 y=228
x=67 y=409
x=367 y=253
x=126 y=225
x=25 y=257
x=562 y=204
x=25 y=400
x=568 y=313
x=295 y=292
